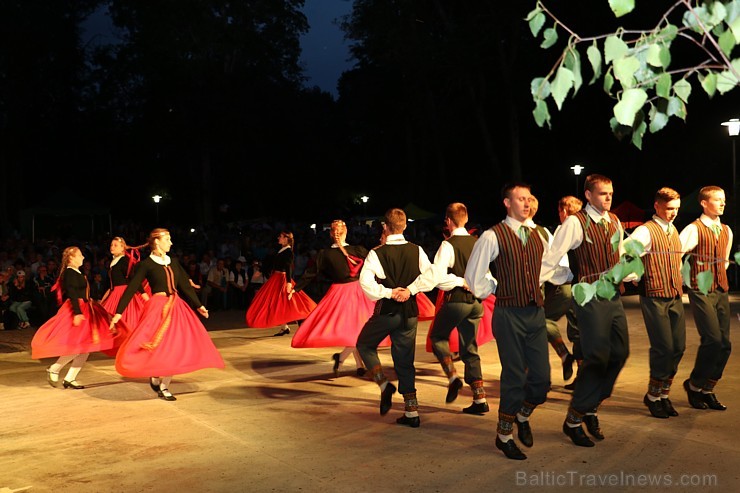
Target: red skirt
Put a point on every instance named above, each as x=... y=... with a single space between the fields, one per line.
x=337 y=319
x=485 y=327
x=168 y=340
x=133 y=310
x=271 y=306
x=58 y=337
x=426 y=308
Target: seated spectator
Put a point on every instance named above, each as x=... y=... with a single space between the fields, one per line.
x=20 y=298
x=98 y=287
x=4 y=296
x=218 y=280
x=42 y=298
x=256 y=279
x=238 y=284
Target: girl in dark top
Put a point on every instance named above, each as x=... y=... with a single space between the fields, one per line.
x=344 y=309
x=20 y=298
x=168 y=338
x=79 y=327
x=120 y=272
x=271 y=305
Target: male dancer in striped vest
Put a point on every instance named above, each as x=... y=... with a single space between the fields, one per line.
x=460 y=309
x=660 y=300
x=515 y=253
x=392 y=275
x=602 y=323
x=709 y=242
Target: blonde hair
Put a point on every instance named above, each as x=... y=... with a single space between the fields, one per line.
x=707 y=191
x=457 y=213
x=593 y=180
x=570 y=204
x=665 y=195
x=338 y=227
x=395 y=220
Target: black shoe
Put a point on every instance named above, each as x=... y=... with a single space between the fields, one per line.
x=695 y=398
x=668 y=406
x=570 y=386
x=335 y=357
x=412 y=422
x=568 y=367
x=656 y=408
x=386 y=399
x=155 y=387
x=361 y=372
x=476 y=408
x=524 y=432
x=712 y=403
x=577 y=435
x=284 y=331
x=453 y=389
x=455 y=356
x=72 y=385
x=52 y=378
x=592 y=425
x=166 y=395
x=510 y=449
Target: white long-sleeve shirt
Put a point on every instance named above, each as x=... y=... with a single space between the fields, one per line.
x=445 y=260
x=373 y=269
x=690 y=236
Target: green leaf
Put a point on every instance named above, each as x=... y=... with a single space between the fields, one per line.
x=637 y=134
x=605 y=289
x=635 y=266
x=551 y=37
x=533 y=13
x=669 y=33
x=594 y=58
x=737 y=257
x=536 y=23
x=718 y=14
x=709 y=83
x=614 y=48
x=541 y=113
x=735 y=28
x=573 y=63
x=631 y=102
x=633 y=248
x=676 y=107
x=726 y=81
x=704 y=280
x=686 y=272
x=653 y=55
x=618 y=272
x=624 y=70
x=562 y=83
x=621 y=7
x=540 y=88
x=614 y=240
x=727 y=42
x=682 y=88
x=608 y=82
x=583 y=292
x=663 y=87
x=658 y=120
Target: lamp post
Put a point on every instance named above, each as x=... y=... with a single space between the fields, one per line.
x=733 y=129
x=577 y=168
x=364 y=200
x=156 y=199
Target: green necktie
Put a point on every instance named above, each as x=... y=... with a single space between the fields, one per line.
x=717 y=229
x=669 y=229
x=523 y=233
x=604 y=224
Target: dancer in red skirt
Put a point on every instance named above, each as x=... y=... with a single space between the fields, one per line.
x=271 y=305
x=344 y=309
x=119 y=273
x=168 y=338
x=78 y=328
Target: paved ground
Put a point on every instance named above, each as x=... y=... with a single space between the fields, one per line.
x=276 y=419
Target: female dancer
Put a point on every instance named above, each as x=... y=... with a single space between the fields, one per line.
x=271 y=305
x=119 y=273
x=344 y=309
x=78 y=328
x=152 y=348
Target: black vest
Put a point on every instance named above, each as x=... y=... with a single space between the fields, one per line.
x=463 y=247
x=401 y=266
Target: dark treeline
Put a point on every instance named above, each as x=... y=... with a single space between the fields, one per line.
x=203 y=101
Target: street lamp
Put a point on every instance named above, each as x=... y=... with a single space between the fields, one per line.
x=733 y=128
x=364 y=200
x=156 y=199
x=577 y=171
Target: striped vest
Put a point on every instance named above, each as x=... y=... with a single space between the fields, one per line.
x=463 y=247
x=517 y=268
x=710 y=249
x=662 y=278
x=595 y=254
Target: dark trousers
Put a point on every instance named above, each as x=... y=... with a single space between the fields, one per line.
x=666 y=329
x=402 y=332
x=466 y=317
x=712 y=317
x=521 y=338
x=605 y=345
x=559 y=302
